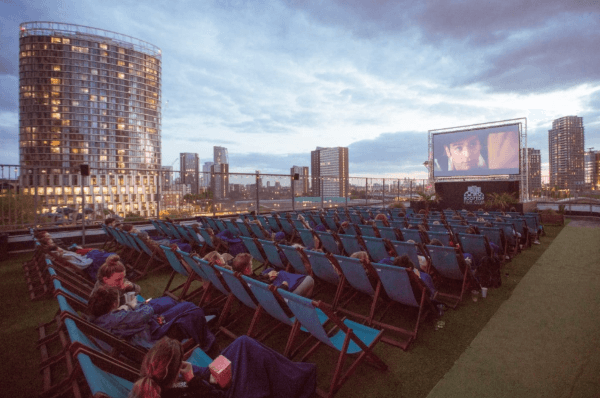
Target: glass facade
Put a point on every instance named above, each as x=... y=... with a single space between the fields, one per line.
x=330 y=171
x=566 y=147
x=89 y=96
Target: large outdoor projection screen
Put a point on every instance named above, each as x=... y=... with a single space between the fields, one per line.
x=477 y=152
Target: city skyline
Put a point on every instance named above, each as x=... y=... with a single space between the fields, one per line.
x=272 y=81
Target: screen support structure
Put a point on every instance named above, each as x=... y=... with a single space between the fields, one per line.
x=522 y=177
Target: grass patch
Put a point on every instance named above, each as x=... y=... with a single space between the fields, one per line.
x=410 y=374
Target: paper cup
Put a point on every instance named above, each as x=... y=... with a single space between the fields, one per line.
x=484 y=292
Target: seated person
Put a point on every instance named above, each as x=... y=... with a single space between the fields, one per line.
x=371 y=274
x=405 y=262
x=86 y=260
x=256 y=371
x=383 y=218
x=137 y=322
x=299 y=284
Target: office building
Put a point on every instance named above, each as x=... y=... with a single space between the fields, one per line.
x=592 y=169
x=535 y=170
x=566 y=148
x=189 y=168
x=220 y=173
x=166 y=178
x=89 y=97
x=329 y=174
x=205 y=178
x=301 y=184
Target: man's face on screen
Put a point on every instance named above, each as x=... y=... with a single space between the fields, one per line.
x=464 y=153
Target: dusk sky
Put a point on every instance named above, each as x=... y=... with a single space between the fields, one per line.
x=272 y=80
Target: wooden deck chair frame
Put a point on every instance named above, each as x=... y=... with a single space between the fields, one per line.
x=447 y=264
x=179 y=268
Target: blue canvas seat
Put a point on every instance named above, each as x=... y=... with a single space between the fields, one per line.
x=410 y=249
x=352 y=243
x=306 y=235
x=254 y=249
x=179 y=268
x=346 y=338
x=324 y=270
x=271 y=250
x=296 y=258
x=443 y=237
x=446 y=263
x=329 y=242
x=377 y=248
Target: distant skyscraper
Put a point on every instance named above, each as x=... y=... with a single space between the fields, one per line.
x=89 y=96
x=566 y=146
x=220 y=173
x=300 y=185
x=166 y=177
x=189 y=167
x=535 y=169
x=592 y=169
x=329 y=171
x=206 y=174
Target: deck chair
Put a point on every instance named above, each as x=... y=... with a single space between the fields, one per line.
x=352 y=243
x=258 y=231
x=306 y=235
x=254 y=249
x=445 y=261
x=346 y=337
x=396 y=282
x=410 y=249
x=330 y=223
x=179 y=268
x=272 y=223
x=377 y=248
x=356 y=275
x=412 y=234
x=367 y=230
x=398 y=223
x=243 y=228
x=271 y=302
x=437 y=227
x=356 y=218
x=242 y=293
x=443 y=237
x=297 y=259
x=271 y=250
x=329 y=241
x=477 y=245
x=324 y=270
x=220 y=224
x=390 y=233
x=287 y=227
x=496 y=236
x=350 y=230
x=229 y=224
x=521 y=227
x=510 y=234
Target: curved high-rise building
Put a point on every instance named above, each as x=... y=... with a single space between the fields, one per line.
x=89 y=96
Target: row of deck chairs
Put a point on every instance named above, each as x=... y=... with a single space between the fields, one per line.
x=95 y=362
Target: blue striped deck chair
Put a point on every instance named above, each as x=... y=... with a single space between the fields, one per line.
x=495 y=235
x=263 y=221
x=220 y=224
x=459 y=229
x=192 y=235
x=229 y=225
x=297 y=259
x=271 y=250
x=398 y=223
x=157 y=227
x=445 y=261
x=324 y=270
x=103 y=383
x=243 y=228
x=379 y=223
x=152 y=257
x=242 y=292
x=477 y=245
x=192 y=262
x=306 y=235
x=355 y=218
x=208 y=239
x=521 y=227
x=298 y=224
x=367 y=230
x=287 y=227
x=183 y=232
x=174 y=232
x=209 y=222
x=437 y=227
x=352 y=243
x=366 y=215
x=350 y=338
x=396 y=282
x=110 y=239
x=179 y=268
x=330 y=223
x=258 y=231
x=376 y=248
x=166 y=230
x=531 y=222
x=511 y=237
x=273 y=225
x=443 y=237
x=217 y=281
x=254 y=249
x=350 y=230
x=271 y=302
x=355 y=273
x=329 y=242
x=389 y=233
x=410 y=249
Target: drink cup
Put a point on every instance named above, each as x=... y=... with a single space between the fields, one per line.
x=484 y=292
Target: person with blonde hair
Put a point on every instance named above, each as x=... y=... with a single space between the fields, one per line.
x=256 y=371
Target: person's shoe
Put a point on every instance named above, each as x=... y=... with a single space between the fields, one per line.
x=536 y=242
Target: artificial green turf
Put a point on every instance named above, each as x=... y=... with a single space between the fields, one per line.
x=410 y=374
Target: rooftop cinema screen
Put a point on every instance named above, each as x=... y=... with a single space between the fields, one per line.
x=477 y=152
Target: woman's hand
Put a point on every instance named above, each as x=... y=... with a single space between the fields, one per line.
x=186 y=371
